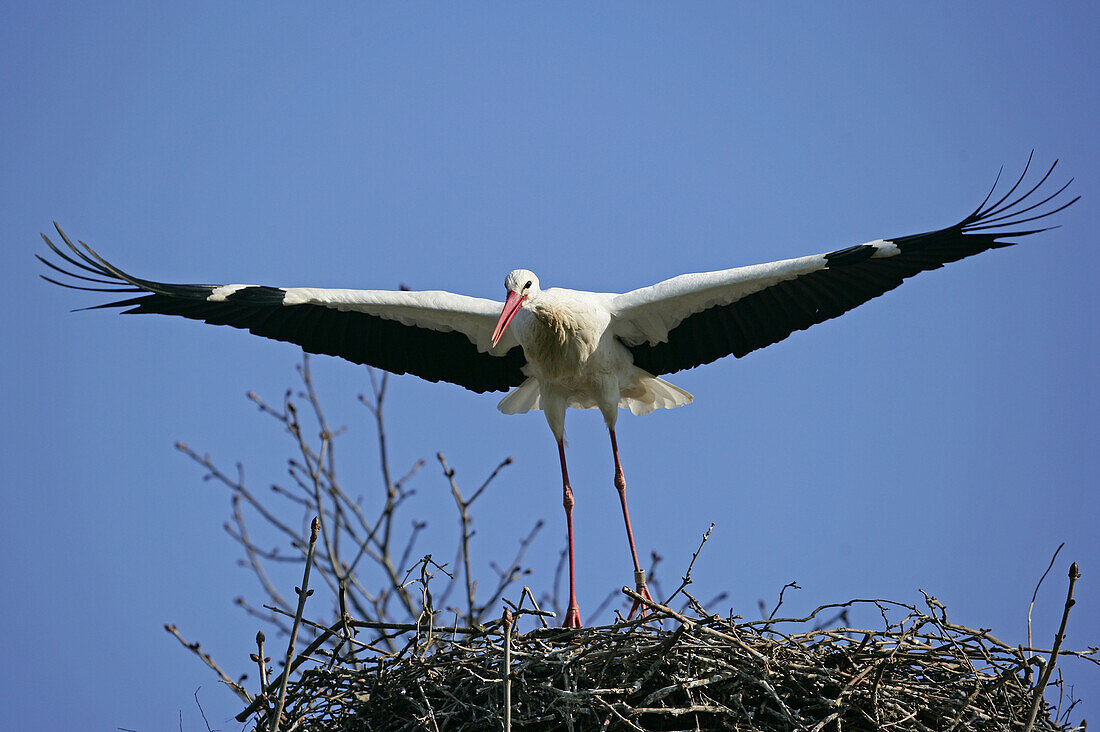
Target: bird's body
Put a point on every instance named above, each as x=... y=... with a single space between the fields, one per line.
x=575 y=359
x=559 y=348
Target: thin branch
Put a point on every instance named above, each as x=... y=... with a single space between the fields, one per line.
x=261 y=660
x=194 y=648
x=506 y=670
x=779 y=604
x=686 y=579
x=464 y=541
x=1035 y=594
x=303 y=593
x=1040 y=686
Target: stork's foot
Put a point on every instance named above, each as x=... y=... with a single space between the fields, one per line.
x=642 y=590
x=572 y=616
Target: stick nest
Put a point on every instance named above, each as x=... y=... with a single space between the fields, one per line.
x=688 y=672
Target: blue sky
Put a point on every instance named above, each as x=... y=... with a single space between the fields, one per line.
x=942 y=437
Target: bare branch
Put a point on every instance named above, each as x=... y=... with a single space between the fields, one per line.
x=1040 y=686
x=194 y=648
x=1038 y=584
x=303 y=593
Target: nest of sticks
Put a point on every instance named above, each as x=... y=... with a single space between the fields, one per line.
x=350 y=667
x=694 y=671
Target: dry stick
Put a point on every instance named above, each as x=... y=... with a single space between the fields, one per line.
x=507 y=670
x=203 y=713
x=316 y=468
x=302 y=658
x=515 y=568
x=779 y=604
x=695 y=624
x=409 y=627
x=538 y=612
x=503 y=464
x=238 y=486
x=318 y=473
x=543 y=614
x=342 y=625
x=1074 y=573
x=473 y=613
x=194 y=648
x=686 y=579
x=303 y=593
x=378 y=533
x=376 y=409
x=394 y=496
x=259 y=658
x=1036 y=593
x=464 y=545
x=250 y=551
x=268 y=617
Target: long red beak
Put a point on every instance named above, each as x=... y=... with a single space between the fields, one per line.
x=511 y=307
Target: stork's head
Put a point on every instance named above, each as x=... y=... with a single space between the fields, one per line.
x=521 y=284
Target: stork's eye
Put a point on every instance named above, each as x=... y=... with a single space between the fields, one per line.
x=528 y=285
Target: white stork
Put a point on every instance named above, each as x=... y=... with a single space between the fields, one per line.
x=558 y=348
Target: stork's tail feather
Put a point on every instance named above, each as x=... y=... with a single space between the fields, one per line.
x=646 y=393
x=523 y=398
x=651 y=393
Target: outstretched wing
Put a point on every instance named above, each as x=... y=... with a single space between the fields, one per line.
x=696 y=318
x=438 y=336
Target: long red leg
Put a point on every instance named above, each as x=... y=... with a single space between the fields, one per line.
x=620 y=485
x=573 y=613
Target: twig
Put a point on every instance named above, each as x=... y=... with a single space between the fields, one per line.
x=194 y=648
x=303 y=593
x=506 y=671
x=503 y=464
x=428 y=704
x=250 y=551
x=261 y=660
x=302 y=658
x=514 y=569
x=686 y=579
x=473 y=611
x=1040 y=686
x=541 y=614
x=379 y=389
x=201 y=710
x=552 y=600
x=238 y=486
x=464 y=546
x=1036 y=593
x=692 y=623
x=788 y=586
